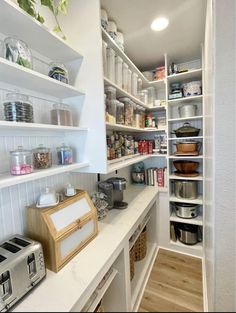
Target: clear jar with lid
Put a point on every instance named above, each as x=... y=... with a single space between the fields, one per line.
x=129 y=110
x=143 y=117
x=134 y=110
x=137 y=116
x=140 y=85
x=118 y=71
x=120 y=111
x=64 y=155
x=111 y=64
x=129 y=83
x=59 y=72
x=151 y=96
x=110 y=92
x=145 y=93
x=104 y=57
x=21 y=161
x=17 y=51
x=42 y=157
x=125 y=76
x=18 y=108
x=111 y=111
x=134 y=89
x=61 y=115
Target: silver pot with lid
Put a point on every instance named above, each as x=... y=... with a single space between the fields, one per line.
x=186 y=210
x=187 y=233
x=187 y=110
x=186 y=131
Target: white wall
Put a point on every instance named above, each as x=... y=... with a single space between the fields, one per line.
x=220 y=218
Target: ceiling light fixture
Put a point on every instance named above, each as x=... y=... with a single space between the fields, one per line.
x=159 y=24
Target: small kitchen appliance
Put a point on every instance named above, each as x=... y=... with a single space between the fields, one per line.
x=113 y=188
x=21 y=268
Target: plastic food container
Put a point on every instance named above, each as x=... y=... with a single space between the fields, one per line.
x=104 y=19
x=151 y=96
x=129 y=110
x=42 y=157
x=17 y=51
x=134 y=86
x=112 y=29
x=118 y=71
x=18 y=108
x=110 y=92
x=111 y=111
x=125 y=76
x=111 y=64
x=104 y=56
x=120 y=111
x=192 y=89
x=59 y=72
x=64 y=155
x=137 y=116
x=129 y=82
x=61 y=115
x=21 y=161
x=120 y=40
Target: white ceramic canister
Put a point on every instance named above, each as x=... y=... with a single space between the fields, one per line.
x=112 y=29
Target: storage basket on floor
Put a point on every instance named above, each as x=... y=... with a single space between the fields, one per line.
x=140 y=246
x=131 y=262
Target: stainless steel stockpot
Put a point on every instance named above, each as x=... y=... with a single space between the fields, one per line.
x=185 y=189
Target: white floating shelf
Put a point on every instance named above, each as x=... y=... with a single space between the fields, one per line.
x=185 y=157
x=197 y=246
x=186 y=138
x=16 y=22
x=173 y=176
x=180 y=119
x=158 y=84
x=23 y=77
x=157 y=108
x=117 y=164
x=7 y=180
x=193 y=221
x=192 y=98
x=120 y=127
x=157 y=155
x=192 y=74
x=112 y=44
x=19 y=126
x=122 y=93
x=199 y=200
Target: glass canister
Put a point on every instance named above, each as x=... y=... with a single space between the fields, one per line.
x=111 y=111
x=21 y=161
x=59 y=72
x=129 y=112
x=110 y=92
x=125 y=76
x=18 y=108
x=120 y=111
x=42 y=157
x=111 y=64
x=61 y=115
x=64 y=155
x=17 y=51
x=118 y=71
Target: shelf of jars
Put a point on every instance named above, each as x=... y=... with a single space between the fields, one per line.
x=21 y=126
x=123 y=93
x=13 y=21
x=7 y=180
x=17 y=75
x=189 y=75
x=112 y=44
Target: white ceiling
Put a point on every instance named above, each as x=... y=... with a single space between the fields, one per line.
x=181 y=39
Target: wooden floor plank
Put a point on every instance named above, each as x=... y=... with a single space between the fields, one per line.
x=175 y=284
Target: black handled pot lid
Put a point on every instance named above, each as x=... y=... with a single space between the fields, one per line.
x=187 y=128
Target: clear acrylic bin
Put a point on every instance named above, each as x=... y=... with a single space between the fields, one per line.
x=111 y=64
x=118 y=71
x=125 y=76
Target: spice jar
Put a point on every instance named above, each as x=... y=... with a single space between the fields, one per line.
x=128 y=110
x=42 y=157
x=18 y=108
x=61 y=115
x=120 y=111
x=21 y=161
x=64 y=155
x=59 y=72
x=17 y=51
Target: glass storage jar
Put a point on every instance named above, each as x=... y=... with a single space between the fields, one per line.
x=21 y=161
x=129 y=111
x=111 y=111
x=145 y=94
x=134 y=89
x=110 y=92
x=42 y=157
x=133 y=117
x=151 y=96
x=104 y=57
x=125 y=76
x=61 y=115
x=118 y=71
x=140 y=85
x=59 y=72
x=111 y=64
x=64 y=155
x=137 y=116
x=129 y=83
x=142 y=118
x=18 y=108
x=17 y=51
x=120 y=111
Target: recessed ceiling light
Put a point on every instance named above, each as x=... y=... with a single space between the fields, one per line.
x=159 y=24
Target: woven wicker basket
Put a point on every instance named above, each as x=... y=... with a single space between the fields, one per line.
x=140 y=246
x=131 y=261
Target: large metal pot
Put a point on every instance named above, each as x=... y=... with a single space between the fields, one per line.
x=185 y=189
x=186 y=210
x=186 y=131
x=187 y=234
x=187 y=110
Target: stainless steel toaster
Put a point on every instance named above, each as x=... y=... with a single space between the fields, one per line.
x=21 y=268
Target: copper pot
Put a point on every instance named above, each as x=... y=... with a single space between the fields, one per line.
x=187 y=146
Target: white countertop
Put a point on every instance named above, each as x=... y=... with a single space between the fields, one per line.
x=75 y=282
